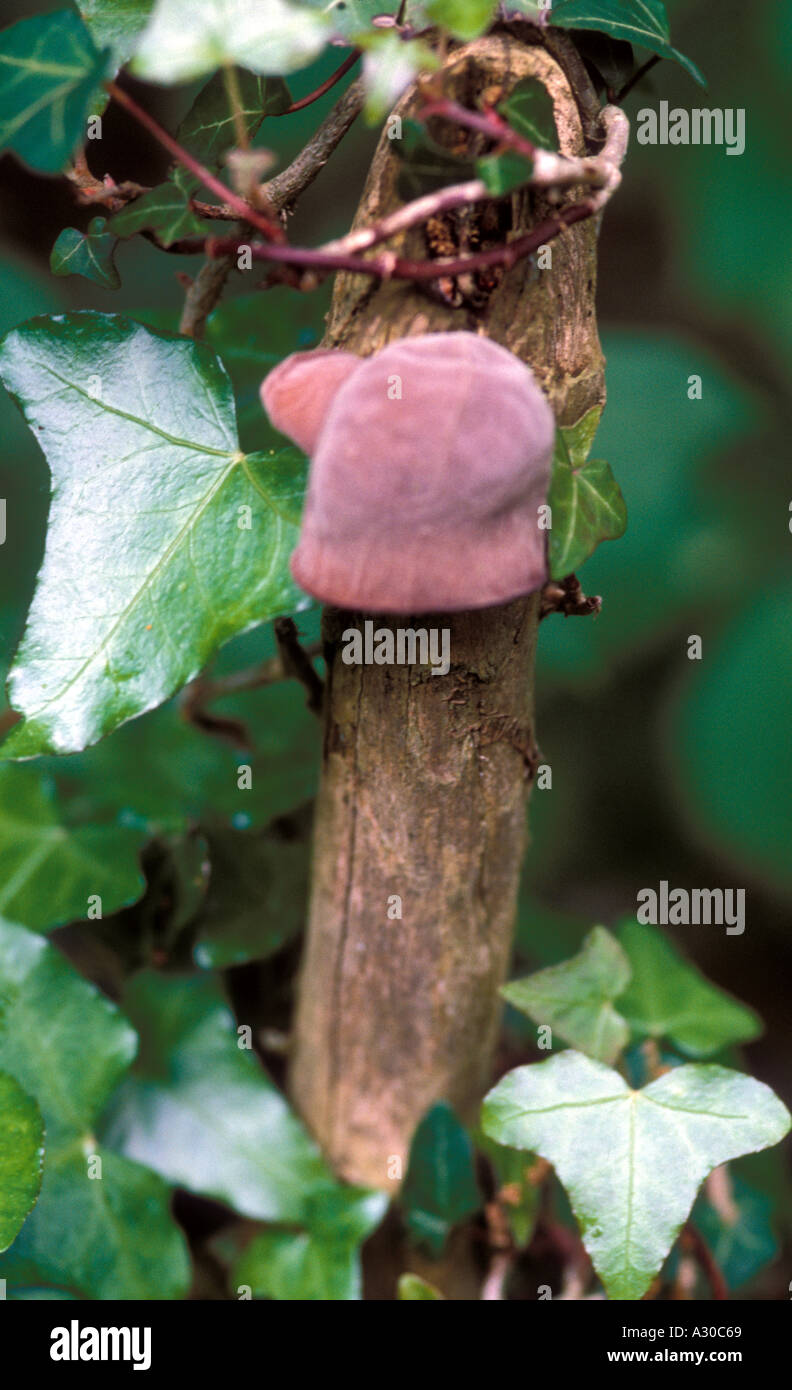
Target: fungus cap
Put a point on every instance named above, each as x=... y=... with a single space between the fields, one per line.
x=428 y=471
x=297 y=393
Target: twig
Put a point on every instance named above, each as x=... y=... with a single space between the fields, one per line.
x=567 y=597
x=297 y=663
x=485 y=123
x=325 y=86
x=201 y=692
x=286 y=187
x=243 y=210
x=389 y=267
x=203 y=294
x=635 y=79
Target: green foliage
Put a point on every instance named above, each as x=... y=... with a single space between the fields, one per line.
x=631 y=1161
x=643 y=22
x=440 y=1187
x=413 y=1289
x=49 y=74
x=322 y=1263
x=668 y=998
x=724 y=743
x=389 y=66
x=52 y=863
x=166 y=211
x=69 y=1058
x=529 y=110
x=210 y=128
x=91 y=254
x=576 y=998
x=116 y=24
x=189 y=38
x=740 y=1234
x=502 y=173
x=21 y=1156
x=165 y=551
x=465 y=19
x=585 y=498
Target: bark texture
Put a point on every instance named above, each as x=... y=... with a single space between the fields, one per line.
x=425 y=778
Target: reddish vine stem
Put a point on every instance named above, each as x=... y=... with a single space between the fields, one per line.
x=240 y=207
x=706 y=1261
x=387 y=266
x=490 y=124
x=326 y=86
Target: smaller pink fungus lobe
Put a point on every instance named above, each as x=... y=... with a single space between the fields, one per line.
x=430 y=461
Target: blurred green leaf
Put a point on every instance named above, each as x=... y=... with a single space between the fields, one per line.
x=726 y=742
x=116 y=24
x=165 y=210
x=49 y=866
x=49 y=73
x=200 y=1110
x=185 y=540
x=681 y=551
x=209 y=129
x=389 y=67
x=741 y=1240
x=90 y=254
x=669 y=998
x=529 y=110
x=504 y=172
x=258 y=893
x=440 y=1187
x=631 y=1161
x=519 y=1197
x=413 y=1289
x=586 y=500
x=465 y=19
x=188 y=38
x=635 y=21
x=68 y=1046
x=320 y=1264
x=576 y=998
x=21 y=1157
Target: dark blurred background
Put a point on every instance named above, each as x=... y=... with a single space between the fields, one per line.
x=662 y=767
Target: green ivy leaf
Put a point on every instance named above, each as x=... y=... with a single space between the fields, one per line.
x=188 y=38
x=576 y=998
x=258 y=894
x=465 y=19
x=49 y=73
x=741 y=1240
x=738 y=698
x=320 y=1264
x=200 y=1110
x=50 y=865
x=426 y=166
x=413 y=1289
x=585 y=498
x=165 y=210
x=116 y=24
x=440 y=1188
x=21 y=1157
x=147 y=569
x=631 y=1161
x=90 y=254
x=389 y=67
x=209 y=130
x=68 y=1046
x=529 y=110
x=668 y=998
x=635 y=21
x=504 y=172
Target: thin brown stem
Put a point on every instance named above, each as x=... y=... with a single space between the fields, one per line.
x=242 y=209
x=706 y=1261
x=387 y=266
x=326 y=86
x=489 y=124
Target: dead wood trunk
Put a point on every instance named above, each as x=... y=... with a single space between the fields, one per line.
x=425 y=778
